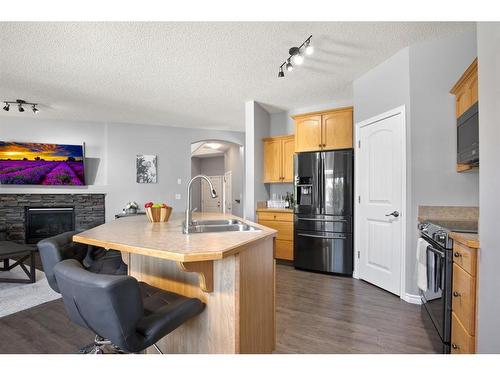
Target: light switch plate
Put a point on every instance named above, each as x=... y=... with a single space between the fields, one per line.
x=178 y=181
x=177 y=196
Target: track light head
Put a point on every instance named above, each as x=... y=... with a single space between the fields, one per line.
x=20 y=107
x=6 y=107
x=281 y=74
x=289 y=65
x=297 y=57
x=34 y=109
x=309 y=49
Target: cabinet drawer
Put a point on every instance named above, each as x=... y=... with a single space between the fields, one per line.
x=461 y=341
x=285 y=229
x=465 y=257
x=464 y=298
x=284 y=249
x=279 y=216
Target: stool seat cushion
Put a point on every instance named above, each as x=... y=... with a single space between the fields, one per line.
x=164 y=311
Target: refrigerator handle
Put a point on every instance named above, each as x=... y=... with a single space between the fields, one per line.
x=321 y=183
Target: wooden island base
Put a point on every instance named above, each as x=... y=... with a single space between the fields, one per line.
x=239 y=314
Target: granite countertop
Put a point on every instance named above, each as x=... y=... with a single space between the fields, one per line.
x=468 y=239
x=136 y=235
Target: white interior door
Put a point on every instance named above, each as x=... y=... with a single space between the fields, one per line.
x=209 y=204
x=380 y=184
x=228 y=193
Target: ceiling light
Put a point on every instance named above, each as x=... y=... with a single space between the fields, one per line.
x=309 y=48
x=298 y=59
x=20 y=103
x=213 y=146
x=296 y=56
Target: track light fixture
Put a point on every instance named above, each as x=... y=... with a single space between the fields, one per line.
x=20 y=105
x=296 y=56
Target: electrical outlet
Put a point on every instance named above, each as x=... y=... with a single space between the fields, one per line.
x=178 y=181
x=177 y=196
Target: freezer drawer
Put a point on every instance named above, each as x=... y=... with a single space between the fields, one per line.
x=324 y=252
x=323 y=223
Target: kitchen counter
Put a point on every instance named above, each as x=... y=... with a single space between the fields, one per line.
x=467 y=239
x=136 y=235
x=233 y=273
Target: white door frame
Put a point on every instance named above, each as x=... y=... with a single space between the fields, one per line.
x=403 y=213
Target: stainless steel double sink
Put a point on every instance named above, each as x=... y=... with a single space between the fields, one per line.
x=225 y=225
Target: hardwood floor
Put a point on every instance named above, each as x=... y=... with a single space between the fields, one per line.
x=318 y=313
x=315 y=314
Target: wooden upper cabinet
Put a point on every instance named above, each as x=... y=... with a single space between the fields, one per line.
x=308 y=133
x=337 y=130
x=288 y=145
x=278 y=159
x=466 y=89
x=320 y=131
x=272 y=160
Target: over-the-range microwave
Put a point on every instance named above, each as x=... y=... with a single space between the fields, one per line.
x=468 y=136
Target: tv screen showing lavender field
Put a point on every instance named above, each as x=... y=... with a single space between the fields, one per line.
x=41 y=164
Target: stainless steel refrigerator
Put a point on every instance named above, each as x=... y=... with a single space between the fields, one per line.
x=323 y=219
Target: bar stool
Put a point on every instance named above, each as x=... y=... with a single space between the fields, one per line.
x=121 y=311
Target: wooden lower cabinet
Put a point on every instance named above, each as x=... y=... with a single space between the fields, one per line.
x=283 y=223
x=463 y=305
x=461 y=341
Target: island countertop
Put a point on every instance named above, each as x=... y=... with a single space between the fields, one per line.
x=136 y=235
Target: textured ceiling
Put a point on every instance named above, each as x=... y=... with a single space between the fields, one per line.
x=190 y=74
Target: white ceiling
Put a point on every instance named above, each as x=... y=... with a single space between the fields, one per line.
x=190 y=74
x=203 y=150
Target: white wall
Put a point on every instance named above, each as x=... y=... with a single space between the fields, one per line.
x=257 y=127
x=385 y=87
x=420 y=77
x=116 y=147
x=488 y=39
x=233 y=162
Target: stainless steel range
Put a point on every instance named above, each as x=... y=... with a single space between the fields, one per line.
x=437 y=297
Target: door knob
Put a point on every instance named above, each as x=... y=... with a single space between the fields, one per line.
x=394 y=213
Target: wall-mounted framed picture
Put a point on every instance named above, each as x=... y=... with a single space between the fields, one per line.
x=146 y=169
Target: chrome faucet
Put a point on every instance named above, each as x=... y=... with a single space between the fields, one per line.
x=188 y=220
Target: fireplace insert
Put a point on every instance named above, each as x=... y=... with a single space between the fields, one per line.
x=44 y=222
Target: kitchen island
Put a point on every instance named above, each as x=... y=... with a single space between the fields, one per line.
x=233 y=273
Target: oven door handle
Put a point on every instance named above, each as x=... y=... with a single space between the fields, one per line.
x=436 y=251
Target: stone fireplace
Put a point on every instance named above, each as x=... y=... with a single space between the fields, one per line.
x=28 y=218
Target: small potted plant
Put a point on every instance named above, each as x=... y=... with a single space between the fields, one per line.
x=131 y=207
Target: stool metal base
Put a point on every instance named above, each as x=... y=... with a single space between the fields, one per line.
x=104 y=346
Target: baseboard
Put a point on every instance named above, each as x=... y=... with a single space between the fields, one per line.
x=412 y=298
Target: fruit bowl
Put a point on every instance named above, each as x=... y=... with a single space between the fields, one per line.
x=157 y=213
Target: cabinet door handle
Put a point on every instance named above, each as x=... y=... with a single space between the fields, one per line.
x=456 y=294
x=457 y=254
x=455 y=346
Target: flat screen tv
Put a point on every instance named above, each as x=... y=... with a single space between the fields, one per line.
x=41 y=164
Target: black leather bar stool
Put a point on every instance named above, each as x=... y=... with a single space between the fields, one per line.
x=130 y=315
x=98 y=260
